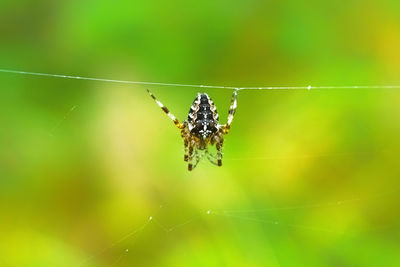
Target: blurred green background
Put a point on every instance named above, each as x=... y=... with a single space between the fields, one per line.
x=309 y=178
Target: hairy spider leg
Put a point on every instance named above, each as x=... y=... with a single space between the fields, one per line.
x=165 y=109
x=185 y=146
x=217 y=158
x=194 y=155
x=231 y=113
x=190 y=155
x=196 y=158
x=212 y=158
x=219 y=152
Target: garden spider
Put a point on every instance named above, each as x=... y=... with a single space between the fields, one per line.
x=202 y=129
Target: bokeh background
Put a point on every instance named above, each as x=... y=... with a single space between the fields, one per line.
x=92 y=173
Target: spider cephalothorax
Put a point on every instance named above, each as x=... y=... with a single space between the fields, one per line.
x=202 y=128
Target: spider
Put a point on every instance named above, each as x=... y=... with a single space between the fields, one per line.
x=202 y=128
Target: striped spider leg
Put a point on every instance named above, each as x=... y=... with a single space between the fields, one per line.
x=231 y=113
x=165 y=109
x=223 y=129
x=202 y=128
x=188 y=143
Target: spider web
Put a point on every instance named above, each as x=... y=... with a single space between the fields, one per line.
x=266 y=217
x=308 y=87
x=253 y=216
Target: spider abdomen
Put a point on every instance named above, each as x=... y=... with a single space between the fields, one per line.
x=204 y=129
x=203 y=117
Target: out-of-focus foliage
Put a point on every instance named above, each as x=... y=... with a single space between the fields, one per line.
x=83 y=165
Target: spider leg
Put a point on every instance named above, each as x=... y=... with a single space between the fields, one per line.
x=232 y=110
x=196 y=158
x=165 y=109
x=217 y=158
x=219 y=153
x=212 y=158
x=186 y=147
x=219 y=141
x=194 y=155
x=190 y=155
